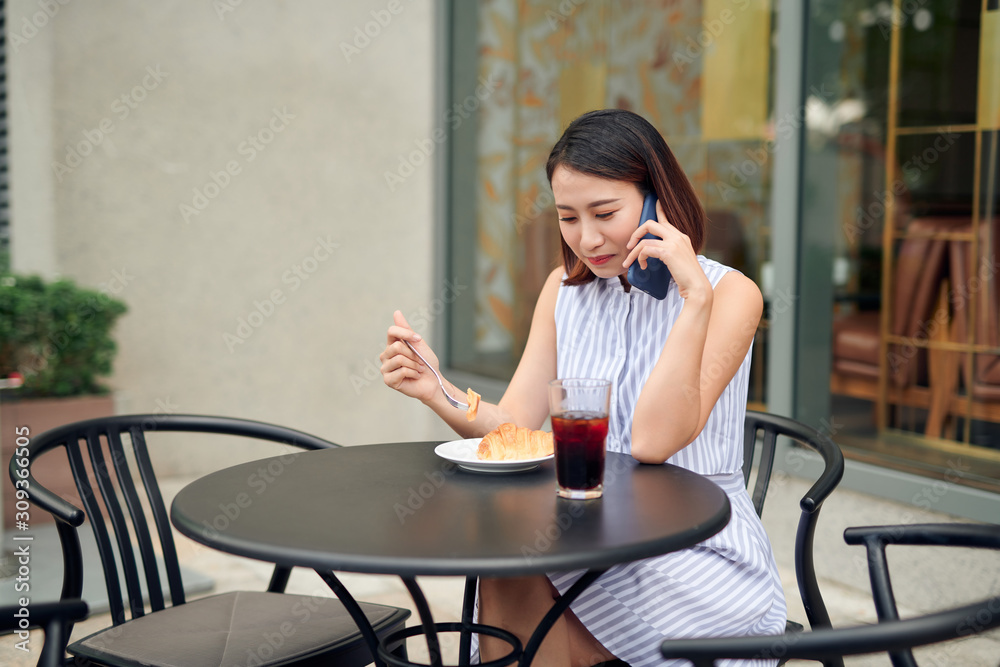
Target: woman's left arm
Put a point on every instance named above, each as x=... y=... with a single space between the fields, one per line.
x=703 y=351
x=701 y=355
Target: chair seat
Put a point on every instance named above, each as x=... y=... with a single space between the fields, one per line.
x=237 y=628
x=856 y=338
x=986 y=392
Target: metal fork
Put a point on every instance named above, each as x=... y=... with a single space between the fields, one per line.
x=455 y=402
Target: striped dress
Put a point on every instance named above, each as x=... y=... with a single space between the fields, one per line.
x=726 y=585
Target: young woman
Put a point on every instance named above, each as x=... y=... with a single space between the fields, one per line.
x=679 y=369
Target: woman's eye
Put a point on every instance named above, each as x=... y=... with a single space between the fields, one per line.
x=567 y=219
x=604 y=216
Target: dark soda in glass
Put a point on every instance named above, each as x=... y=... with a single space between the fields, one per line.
x=579 y=456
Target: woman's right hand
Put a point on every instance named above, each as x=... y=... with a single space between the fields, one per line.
x=401 y=369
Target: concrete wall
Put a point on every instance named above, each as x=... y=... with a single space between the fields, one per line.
x=30 y=114
x=220 y=166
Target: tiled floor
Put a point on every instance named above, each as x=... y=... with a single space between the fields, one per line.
x=925 y=578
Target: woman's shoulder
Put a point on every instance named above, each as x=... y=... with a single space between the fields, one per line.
x=736 y=282
x=552 y=288
x=716 y=271
x=554 y=280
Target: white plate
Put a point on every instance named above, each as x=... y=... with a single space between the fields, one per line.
x=463 y=452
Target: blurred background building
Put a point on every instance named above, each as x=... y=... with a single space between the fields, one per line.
x=264 y=183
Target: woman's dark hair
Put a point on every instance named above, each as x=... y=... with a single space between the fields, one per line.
x=623 y=146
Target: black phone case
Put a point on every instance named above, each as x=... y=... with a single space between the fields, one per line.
x=655 y=278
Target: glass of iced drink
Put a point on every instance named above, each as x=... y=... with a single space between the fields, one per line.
x=579 y=410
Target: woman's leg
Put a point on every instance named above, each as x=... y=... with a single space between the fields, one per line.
x=518 y=605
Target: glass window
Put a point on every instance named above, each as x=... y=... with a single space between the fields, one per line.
x=699 y=70
x=908 y=143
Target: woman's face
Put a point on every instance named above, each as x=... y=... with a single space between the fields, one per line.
x=597 y=217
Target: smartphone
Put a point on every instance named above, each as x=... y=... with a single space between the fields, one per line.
x=655 y=278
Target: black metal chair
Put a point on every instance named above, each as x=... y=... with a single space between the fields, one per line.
x=242 y=627
x=762 y=430
x=55 y=618
x=890 y=635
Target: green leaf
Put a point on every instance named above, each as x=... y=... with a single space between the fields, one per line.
x=57 y=335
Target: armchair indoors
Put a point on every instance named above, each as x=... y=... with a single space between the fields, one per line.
x=976 y=302
x=129 y=521
x=919 y=290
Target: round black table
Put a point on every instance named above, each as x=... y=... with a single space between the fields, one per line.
x=400 y=509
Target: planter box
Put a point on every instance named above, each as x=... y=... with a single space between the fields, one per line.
x=51 y=470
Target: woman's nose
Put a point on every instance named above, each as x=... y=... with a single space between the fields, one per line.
x=591 y=236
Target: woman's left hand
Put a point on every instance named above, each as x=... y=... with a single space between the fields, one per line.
x=674 y=249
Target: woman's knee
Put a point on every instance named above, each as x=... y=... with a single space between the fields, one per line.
x=520 y=589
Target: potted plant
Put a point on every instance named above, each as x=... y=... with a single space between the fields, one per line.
x=56 y=336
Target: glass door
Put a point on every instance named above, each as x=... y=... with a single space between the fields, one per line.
x=908 y=142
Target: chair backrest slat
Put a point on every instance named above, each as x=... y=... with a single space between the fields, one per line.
x=100 y=530
x=764 y=468
x=139 y=524
x=749 y=446
x=109 y=494
x=884 y=598
x=160 y=518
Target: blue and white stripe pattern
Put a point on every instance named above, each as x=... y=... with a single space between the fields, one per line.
x=727 y=585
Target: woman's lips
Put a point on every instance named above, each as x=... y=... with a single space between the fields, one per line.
x=600 y=259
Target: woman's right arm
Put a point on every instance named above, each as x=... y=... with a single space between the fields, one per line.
x=525 y=402
x=527 y=395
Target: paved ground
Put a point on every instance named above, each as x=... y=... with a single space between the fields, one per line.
x=925 y=578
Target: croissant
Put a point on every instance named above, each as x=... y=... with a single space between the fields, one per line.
x=508 y=442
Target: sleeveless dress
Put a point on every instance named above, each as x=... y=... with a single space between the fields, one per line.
x=726 y=585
